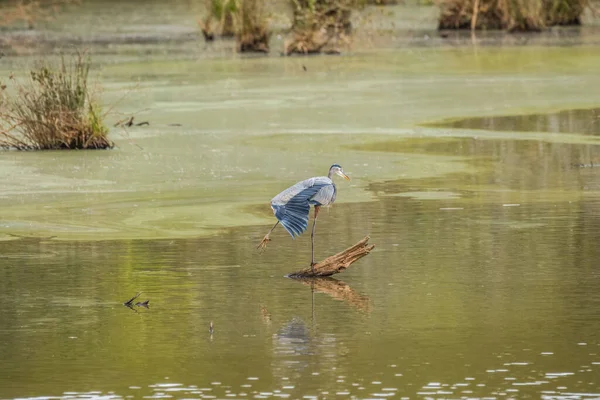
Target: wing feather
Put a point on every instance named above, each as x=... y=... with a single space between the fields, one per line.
x=292 y=206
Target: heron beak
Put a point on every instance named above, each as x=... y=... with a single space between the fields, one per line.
x=343 y=175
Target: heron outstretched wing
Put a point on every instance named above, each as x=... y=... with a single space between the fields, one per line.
x=292 y=206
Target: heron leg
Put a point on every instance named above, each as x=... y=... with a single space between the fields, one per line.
x=263 y=243
x=312 y=240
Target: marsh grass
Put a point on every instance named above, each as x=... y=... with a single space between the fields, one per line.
x=320 y=25
x=219 y=19
x=512 y=15
x=566 y=12
x=252 y=27
x=53 y=109
x=246 y=20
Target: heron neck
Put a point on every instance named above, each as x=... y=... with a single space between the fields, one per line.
x=330 y=175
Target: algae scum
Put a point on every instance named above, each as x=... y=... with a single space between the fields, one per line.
x=225 y=135
x=472 y=177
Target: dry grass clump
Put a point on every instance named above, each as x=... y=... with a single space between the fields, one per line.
x=53 y=109
x=246 y=20
x=219 y=19
x=252 y=32
x=30 y=11
x=513 y=15
x=320 y=26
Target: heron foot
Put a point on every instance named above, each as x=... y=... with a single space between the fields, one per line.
x=264 y=242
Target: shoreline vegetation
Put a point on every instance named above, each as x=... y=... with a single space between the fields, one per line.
x=320 y=26
x=244 y=20
x=324 y=26
x=511 y=15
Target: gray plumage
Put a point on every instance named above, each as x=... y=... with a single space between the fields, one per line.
x=292 y=206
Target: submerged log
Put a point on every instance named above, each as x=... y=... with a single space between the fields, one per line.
x=337 y=263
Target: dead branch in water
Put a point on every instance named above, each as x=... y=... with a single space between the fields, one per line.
x=130 y=301
x=337 y=263
x=128 y=122
x=338 y=290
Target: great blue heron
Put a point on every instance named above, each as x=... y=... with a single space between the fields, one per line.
x=291 y=207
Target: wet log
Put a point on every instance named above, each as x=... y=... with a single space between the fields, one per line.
x=337 y=263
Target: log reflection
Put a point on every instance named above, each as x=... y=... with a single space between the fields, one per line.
x=338 y=290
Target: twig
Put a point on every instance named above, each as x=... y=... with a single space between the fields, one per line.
x=129 y=302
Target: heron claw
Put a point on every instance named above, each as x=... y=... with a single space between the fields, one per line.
x=263 y=243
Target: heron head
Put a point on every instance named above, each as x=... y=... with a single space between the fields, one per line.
x=337 y=169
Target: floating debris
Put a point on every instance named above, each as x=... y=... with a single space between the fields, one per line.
x=129 y=302
x=143 y=304
x=129 y=122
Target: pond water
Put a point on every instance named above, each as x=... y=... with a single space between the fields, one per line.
x=474 y=181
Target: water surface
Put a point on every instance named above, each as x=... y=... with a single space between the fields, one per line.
x=483 y=282
x=462 y=299
x=585 y=121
